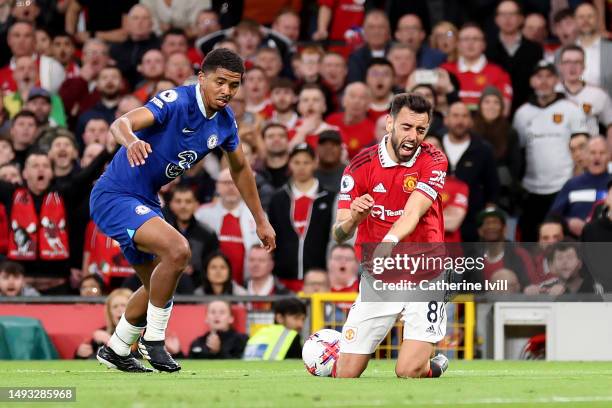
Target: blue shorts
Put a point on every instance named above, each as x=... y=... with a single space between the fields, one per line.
x=119 y=215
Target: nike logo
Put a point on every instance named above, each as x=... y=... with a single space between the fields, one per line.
x=187 y=130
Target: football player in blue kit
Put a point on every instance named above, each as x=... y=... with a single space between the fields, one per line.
x=161 y=140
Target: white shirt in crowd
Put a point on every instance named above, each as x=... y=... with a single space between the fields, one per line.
x=594 y=102
x=454 y=150
x=545 y=134
x=592 y=62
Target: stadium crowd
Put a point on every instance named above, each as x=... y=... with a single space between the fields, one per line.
x=521 y=94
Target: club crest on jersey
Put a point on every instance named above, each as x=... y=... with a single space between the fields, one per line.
x=587 y=107
x=212 y=141
x=558 y=118
x=410 y=182
x=346 y=184
x=349 y=334
x=186 y=159
x=142 y=209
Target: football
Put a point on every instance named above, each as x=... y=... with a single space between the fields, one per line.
x=320 y=352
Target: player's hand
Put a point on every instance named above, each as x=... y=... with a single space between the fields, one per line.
x=173 y=345
x=85 y=350
x=213 y=342
x=266 y=234
x=137 y=152
x=361 y=207
x=101 y=336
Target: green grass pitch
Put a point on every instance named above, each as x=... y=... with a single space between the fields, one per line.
x=287 y=384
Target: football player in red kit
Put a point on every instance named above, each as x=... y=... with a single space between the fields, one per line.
x=392 y=192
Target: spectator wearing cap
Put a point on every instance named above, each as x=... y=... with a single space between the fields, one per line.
x=275 y=165
x=356 y=128
x=283 y=98
x=47 y=107
x=471 y=160
x=577 y=197
x=598 y=50
x=410 y=32
x=474 y=71
x=594 y=101
x=497 y=252
x=377 y=38
x=12 y=281
x=512 y=51
x=545 y=125
x=330 y=166
x=140 y=38
x=302 y=214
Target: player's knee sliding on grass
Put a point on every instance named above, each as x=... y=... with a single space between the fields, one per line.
x=160 y=141
x=392 y=192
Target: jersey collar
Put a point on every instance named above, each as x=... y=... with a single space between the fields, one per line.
x=385 y=159
x=201 y=103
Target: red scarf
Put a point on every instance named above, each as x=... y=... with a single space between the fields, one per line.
x=41 y=235
x=105 y=256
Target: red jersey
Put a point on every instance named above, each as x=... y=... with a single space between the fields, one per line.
x=455 y=194
x=356 y=136
x=346 y=14
x=390 y=184
x=473 y=80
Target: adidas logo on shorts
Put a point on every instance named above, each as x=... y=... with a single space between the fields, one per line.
x=380 y=188
x=430 y=330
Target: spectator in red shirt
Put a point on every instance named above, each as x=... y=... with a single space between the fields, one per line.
x=344 y=15
x=379 y=79
x=178 y=68
x=79 y=93
x=473 y=70
x=311 y=107
x=63 y=50
x=342 y=267
x=256 y=89
x=356 y=128
x=151 y=68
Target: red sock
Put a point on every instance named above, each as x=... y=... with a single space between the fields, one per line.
x=333 y=374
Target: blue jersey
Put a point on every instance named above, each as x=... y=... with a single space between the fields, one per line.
x=180 y=137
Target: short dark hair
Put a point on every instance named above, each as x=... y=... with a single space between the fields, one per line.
x=271 y=125
x=562 y=246
x=562 y=15
x=35 y=151
x=556 y=219
x=181 y=188
x=173 y=31
x=282 y=83
x=24 y=113
x=12 y=268
x=223 y=58
x=571 y=47
x=412 y=101
x=206 y=285
x=289 y=307
x=516 y=3
x=380 y=61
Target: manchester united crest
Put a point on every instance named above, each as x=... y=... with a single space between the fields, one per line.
x=557 y=118
x=410 y=182
x=587 y=107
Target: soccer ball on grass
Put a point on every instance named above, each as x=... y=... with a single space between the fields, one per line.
x=320 y=352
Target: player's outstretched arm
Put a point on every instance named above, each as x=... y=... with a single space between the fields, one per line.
x=416 y=206
x=245 y=182
x=123 y=130
x=347 y=220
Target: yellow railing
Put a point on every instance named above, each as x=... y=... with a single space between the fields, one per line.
x=329 y=310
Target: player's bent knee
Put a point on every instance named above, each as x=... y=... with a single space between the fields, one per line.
x=179 y=254
x=411 y=371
